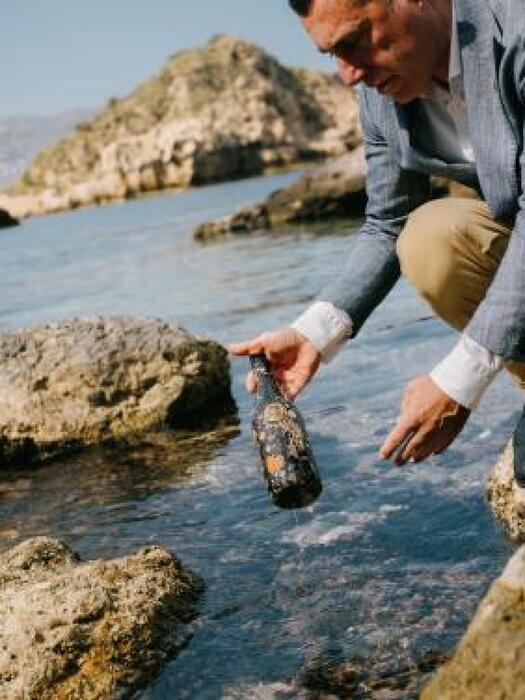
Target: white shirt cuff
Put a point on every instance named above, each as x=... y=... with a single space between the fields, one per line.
x=326 y=327
x=466 y=372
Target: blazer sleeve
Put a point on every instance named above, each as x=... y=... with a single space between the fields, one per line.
x=371 y=268
x=499 y=321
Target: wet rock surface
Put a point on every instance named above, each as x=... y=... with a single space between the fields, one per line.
x=334 y=190
x=88 y=630
x=489 y=662
x=506 y=498
x=86 y=381
x=360 y=678
x=222 y=111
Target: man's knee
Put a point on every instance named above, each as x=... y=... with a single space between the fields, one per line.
x=430 y=244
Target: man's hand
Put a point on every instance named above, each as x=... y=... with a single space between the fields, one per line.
x=428 y=423
x=293 y=359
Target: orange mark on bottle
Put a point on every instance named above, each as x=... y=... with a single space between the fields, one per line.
x=274 y=464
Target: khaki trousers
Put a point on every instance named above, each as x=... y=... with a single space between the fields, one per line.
x=450 y=250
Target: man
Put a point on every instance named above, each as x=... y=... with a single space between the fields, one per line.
x=442 y=92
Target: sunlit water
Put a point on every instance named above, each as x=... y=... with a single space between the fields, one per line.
x=386 y=567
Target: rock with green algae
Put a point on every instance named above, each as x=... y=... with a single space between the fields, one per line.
x=88 y=630
x=221 y=111
x=85 y=381
x=489 y=662
x=506 y=498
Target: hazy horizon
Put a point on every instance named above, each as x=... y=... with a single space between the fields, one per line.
x=69 y=55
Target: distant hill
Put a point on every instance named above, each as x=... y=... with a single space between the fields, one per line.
x=22 y=137
x=222 y=111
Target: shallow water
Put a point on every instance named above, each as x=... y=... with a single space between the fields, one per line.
x=389 y=564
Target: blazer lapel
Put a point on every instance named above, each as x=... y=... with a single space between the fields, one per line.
x=491 y=132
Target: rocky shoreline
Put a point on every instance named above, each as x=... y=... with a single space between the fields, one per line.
x=104 y=628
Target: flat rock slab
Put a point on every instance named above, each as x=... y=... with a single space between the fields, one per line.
x=334 y=190
x=506 y=498
x=88 y=630
x=85 y=381
x=489 y=662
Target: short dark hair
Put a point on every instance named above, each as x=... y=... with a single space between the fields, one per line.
x=300 y=6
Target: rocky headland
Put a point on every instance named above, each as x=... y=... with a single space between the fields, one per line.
x=89 y=630
x=87 y=381
x=223 y=111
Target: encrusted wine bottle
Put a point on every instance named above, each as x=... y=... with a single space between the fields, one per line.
x=288 y=464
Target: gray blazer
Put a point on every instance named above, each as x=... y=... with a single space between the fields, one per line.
x=492 y=45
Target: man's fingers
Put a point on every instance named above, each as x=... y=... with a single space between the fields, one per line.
x=411 y=449
x=290 y=382
x=397 y=437
x=250 y=347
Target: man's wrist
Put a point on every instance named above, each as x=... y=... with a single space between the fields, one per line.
x=325 y=326
x=466 y=372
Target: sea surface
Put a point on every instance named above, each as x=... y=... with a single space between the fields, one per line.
x=357 y=596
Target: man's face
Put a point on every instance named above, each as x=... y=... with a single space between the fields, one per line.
x=396 y=46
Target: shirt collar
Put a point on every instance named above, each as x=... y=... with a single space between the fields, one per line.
x=455 y=79
x=454 y=65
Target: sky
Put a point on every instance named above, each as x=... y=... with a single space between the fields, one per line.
x=57 y=55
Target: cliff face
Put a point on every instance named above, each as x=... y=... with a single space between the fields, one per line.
x=224 y=111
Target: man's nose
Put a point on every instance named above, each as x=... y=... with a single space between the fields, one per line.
x=350 y=74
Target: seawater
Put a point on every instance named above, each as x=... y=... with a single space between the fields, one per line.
x=389 y=564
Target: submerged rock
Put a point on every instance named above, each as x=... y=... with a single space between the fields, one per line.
x=222 y=111
x=6 y=219
x=85 y=381
x=505 y=497
x=366 y=678
x=88 y=630
x=336 y=189
x=489 y=662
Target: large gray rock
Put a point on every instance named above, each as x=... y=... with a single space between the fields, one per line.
x=222 y=111
x=88 y=630
x=489 y=662
x=85 y=381
x=336 y=189
x=506 y=498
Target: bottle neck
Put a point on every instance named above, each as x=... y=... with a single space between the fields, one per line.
x=266 y=387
